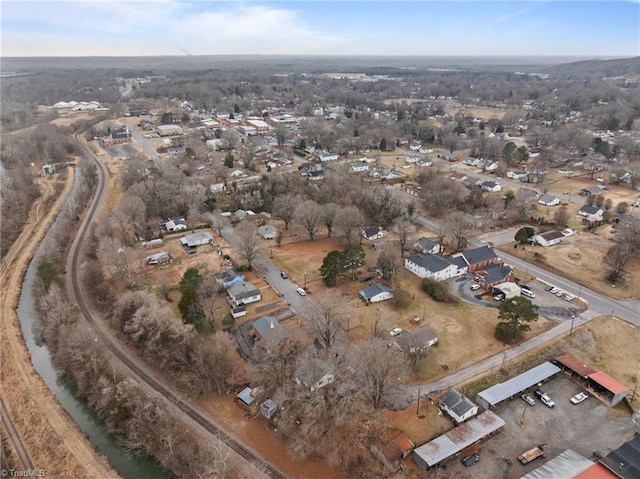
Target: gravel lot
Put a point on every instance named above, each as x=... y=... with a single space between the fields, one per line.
x=584 y=428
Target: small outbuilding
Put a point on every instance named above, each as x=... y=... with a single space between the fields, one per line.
x=268 y=232
x=458 y=406
x=268 y=408
x=605 y=384
x=510 y=290
x=194 y=240
x=159 y=258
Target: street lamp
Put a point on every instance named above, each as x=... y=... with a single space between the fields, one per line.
x=573 y=318
x=305 y=280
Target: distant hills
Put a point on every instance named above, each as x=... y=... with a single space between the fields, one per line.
x=599 y=68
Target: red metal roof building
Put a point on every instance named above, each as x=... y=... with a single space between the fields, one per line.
x=605 y=382
x=574 y=365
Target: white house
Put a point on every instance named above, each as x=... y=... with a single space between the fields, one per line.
x=315 y=374
x=359 y=167
x=376 y=292
x=326 y=156
x=159 y=258
x=458 y=406
x=548 y=200
x=430 y=266
x=243 y=293
x=491 y=186
x=549 y=238
x=425 y=245
x=175 y=224
x=267 y=231
x=168 y=130
x=218 y=188
x=372 y=233
x=588 y=210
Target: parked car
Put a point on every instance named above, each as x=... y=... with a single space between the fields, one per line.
x=554 y=290
x=475 y=287
x=470 y=460
x=569 y=297
x=499 y=297
x=544 y=399
x=578 y=398
x=528 y=399
x=560 y=293
x=395 y=331
x=528 y=293
x=525 y=286
x=301 y=292
x=284 y=275
x=549 y=288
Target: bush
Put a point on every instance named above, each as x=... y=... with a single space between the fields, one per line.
x=438 y=291
x=228 y=320
x=401 y=299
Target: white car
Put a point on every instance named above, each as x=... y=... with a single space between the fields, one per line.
x=578 y=398
x=395 y=331
x=301 y=292
x=569 y=297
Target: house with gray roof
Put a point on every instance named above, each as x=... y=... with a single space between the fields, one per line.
x=479 y=258
x=243 y=293
x=268 y=231
x=548 y=200
x=192 y=241
x=415 y=340
x=591 y=190
x=495 y=274
x=315 y=374
x=372 y=233
x=430 y=266
x=458 y=406
x=589 y=210
x=376 y=292
x=549 y=238
x=175 y=224
x=229 y=277
x=425 y=245
x=268 y=331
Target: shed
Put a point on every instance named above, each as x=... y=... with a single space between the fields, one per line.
x=239 y=311
x=496 y=394
x=268 y=408
x=573 y=366
x=564 y=466
x=458 y=439
x=159 y=258
x=48 y=170
x=393 y=446
x=458 y=406
x=602 y=382
x=248 y=395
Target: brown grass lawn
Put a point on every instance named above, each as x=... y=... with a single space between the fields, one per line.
x=559 y=184
x=465 y=331
x=580 y=259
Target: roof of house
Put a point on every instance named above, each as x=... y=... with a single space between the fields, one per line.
x=590 y=210
x=430 y=261
x=596 y=470
x=375 y=289
x=243 y=290
x=229 y=274
x=495 y=273
x=624 y=461
x=551 y=235
x=575 y=365
x=480 y=254
x=594 y=190
x=547 y=198
x=197 y=239
x=426 y=243
x=459 y=438
x=247 y=396
x=415 y=338
x=457 y=402
x=458 y=261
x=267 y=229
x=564 y=466
x=371 y=231
x=607 y=382
x=502 y=391
x=394 y=444
x=269 y=329
x=313 y=371
x=489 y=184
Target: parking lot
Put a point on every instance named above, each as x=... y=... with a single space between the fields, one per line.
x=584 y=428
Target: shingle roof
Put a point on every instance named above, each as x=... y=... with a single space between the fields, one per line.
x=375 y=289
x=269 y=329
x=313 y=371
x=495 y=273
x=477 y=255
x=429 y=261
x=243 y=290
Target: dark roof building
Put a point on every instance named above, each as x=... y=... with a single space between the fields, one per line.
x=624 y=462
x=458 y=406
x=268 y=330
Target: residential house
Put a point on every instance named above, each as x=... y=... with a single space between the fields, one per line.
x=425 y=163
x=326 y=156
x=359 y=167
x=175 y=224
x=415 y=340
x=491 y=186
x=168 y=130
x=391 y=448
x=372 y=233
x=489 y=166
x=267 y=331
x=517 y=175
x=315 y=175
x=448 y=156
x=238 y=215
x=636 y=202
x=430 y=266
x=315 y=374
x=415 y=146
x=425 y=245
x=376 y=292
x=218 y=188
x=591 y=190
x=229 y=277
x=549 y=238
x=268 y=231
x=588 y=210
x=243 y=293
x=495 y=274
x=479 y=258
x=458 y=406
x=197 y=239
x=471 y=161
x=159 y=258
x=471 y=182
x=413 y=158
x=413 y=190
x=548 y=200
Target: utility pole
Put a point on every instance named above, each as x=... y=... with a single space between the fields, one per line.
x=418 y=408
x=504 y=360
x=573 y=318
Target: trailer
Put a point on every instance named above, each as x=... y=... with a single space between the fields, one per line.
x=532 y=454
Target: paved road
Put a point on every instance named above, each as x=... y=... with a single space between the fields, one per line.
x=147 y=148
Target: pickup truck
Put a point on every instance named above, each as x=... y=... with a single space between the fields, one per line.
x=533 y=453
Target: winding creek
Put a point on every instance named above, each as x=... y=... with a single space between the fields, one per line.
x=128 y=464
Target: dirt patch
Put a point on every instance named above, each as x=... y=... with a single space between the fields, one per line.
x=258 y=432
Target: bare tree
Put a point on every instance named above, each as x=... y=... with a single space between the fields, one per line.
x=309 y=215
x=327 y=321
x=349 y=221
x=404 y=230
x=274 y=367
x=380 y=364
x=459 y=228
x=561 y=217
x=247 y=242
x=329 y=217
x=284 y=208
x=388 y=262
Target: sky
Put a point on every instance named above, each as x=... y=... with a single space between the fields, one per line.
x=330 y=27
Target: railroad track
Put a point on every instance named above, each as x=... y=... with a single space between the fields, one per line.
x=78 y=295
x=14 y=439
